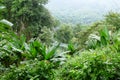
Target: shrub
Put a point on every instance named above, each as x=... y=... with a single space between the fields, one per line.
x=30 y=70
x=47 y=36
x=113 y=19
x=116 y=41
x=35 y=49
x=7 y=55
x=103 y=39
x=64 y=33
x=96 y=65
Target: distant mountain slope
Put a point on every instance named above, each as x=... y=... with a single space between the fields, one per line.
x=82 y=11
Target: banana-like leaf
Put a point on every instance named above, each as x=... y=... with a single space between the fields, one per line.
x=104 y=36
x=4 y=21
x=94 y=36
x=71 y=47
x=2 y=7
x=51 y=53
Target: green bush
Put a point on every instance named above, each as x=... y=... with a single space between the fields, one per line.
x=12 y=49
x=64 y=33
x=96 y=65
x=30 y=70
x=100 y=40
x=116 y=41
x=113 y=19
x=47 y=36
x=7 y=37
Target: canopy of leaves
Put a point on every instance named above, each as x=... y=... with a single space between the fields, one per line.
x=27 y=13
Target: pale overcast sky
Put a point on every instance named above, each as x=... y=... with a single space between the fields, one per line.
x=108 y=4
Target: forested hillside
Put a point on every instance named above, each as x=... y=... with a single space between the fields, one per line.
x=35 y=44
x=82 y=11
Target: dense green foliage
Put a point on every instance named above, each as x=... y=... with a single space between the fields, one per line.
x=113 y=19
x=66 y=33
x=95 y=65
x=30 y=70
x=28 y=16
x=62 y=52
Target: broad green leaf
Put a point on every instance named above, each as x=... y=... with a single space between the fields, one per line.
x=51 y=52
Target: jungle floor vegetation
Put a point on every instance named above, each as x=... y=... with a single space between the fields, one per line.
x=35 y=46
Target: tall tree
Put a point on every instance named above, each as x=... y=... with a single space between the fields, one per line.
x=27 y=15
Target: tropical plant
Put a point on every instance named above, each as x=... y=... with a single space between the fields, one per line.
x=11 y=50
x=35 y=49
x=46 y=36
x=30 y=70
x=113 y=19
x=72 y=48
x=103 y=39
x=116 y=41
x=95 y=65
x=6 y=55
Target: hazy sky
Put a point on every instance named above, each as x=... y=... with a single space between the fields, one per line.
x=60 y=4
